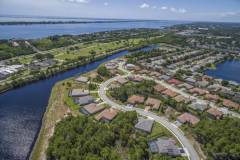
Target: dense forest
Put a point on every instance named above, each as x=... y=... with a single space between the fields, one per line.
x=84 y=139
x=220 y=139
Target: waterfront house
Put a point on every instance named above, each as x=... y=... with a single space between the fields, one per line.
x=83 y=100
x=91 y=109
x=78 y=93
x=144 y=125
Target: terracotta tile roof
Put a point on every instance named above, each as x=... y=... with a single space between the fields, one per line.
x=135 y=99
x=159 y=88
x=107 y=114
x=212 y=97
x=93 y=108
x=181 y=98
x=170 y=93
x=135 y=78
x=199 y=91
x=215 y=112
x=154 y=103
x=174 y=81
x=230 y=104
x=122 y=80
x=188 y=118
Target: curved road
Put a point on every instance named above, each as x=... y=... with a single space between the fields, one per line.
x=191 y=153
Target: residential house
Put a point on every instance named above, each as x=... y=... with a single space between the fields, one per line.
x=91 y=109
x=153 y=103
x=78 y=93
x=200 y=106
x=135 y=78
x=144 y=125
x=165 y=146
x=181 y=98
x=214 y=113
x=230 y=104
x=170 y=93
x=135 y=99
x=188 y=118
x=122 y=81
x=174 y=81
x=164 y=77
x=198 y=91
x=159 y=88
x=107 y=115
x=212 y=97
x=83 y=100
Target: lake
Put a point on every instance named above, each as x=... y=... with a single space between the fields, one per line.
x=228 y=70
x=22 y=109
x=45 y=30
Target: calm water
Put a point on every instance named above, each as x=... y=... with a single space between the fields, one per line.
x=21 y=111
x=228 y=70
x=45 y=30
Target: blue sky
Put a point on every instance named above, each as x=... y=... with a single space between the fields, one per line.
x=196 y=10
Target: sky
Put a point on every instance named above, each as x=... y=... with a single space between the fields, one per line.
x=193 y=10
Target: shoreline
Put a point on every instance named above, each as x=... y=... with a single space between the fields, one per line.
x=41 y=137
x=100 y=57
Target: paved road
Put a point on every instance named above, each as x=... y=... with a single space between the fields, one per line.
x=192 y=154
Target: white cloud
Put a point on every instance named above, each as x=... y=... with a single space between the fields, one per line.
x=174 y=10
x=164 y=8
x=230 y=14
x=144 y=5
x=182 y=10
x=77 y=1
x=105 y=3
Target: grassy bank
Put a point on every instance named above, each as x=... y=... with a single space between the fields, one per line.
x=56 y=111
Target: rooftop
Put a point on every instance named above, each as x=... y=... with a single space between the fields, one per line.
x=188 y=118
x=144 y=125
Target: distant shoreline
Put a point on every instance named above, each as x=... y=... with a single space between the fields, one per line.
x=69 y=22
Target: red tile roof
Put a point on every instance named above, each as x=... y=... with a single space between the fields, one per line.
x=159 y=88
x=154 y=103
x=199 y=91
x=135 y=99
x=181 y=98
x=230 y=104
x=215 y=112
x=188 y=118
x=174 y=81
x=107 y=114
x=212 y=97
x=170 y=93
